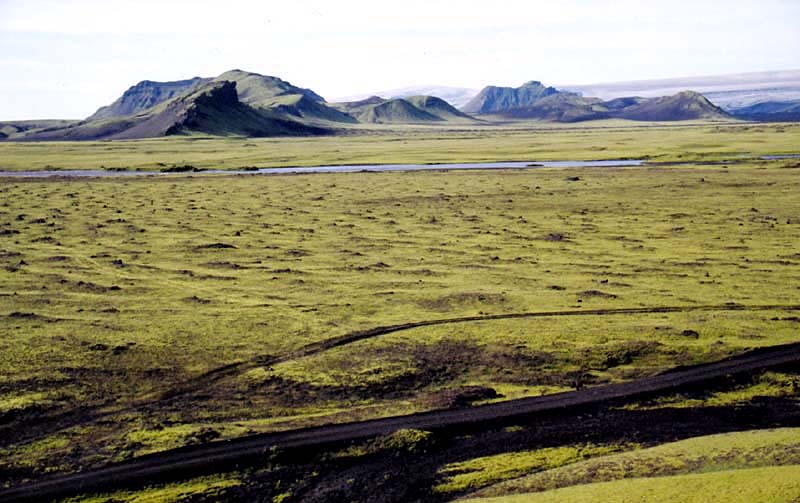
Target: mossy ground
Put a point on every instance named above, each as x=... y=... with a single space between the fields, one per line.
x=755 y=485
x=205 y=487
x=658 y=142
x=116 y=291
x=714 y=453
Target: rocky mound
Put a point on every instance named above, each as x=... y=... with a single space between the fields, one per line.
x=561 y=107
x=686 y=105
x=144 y=95
x=494 y=99
x=770 y=111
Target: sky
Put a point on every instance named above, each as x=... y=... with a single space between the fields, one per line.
x=64 y=59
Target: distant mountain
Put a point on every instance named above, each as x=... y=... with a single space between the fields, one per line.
x=494 y=99
x=618 y=104
x=685 y=105
x=413 y=110
x=560 y=107
x=213 y=108
x=250 y=104
x=13 y=129
x=770 y=111
x=567 y=107
x=146 y=94
x=730 y=92
x=235 y=103
x=439 y=108
x=456 y=96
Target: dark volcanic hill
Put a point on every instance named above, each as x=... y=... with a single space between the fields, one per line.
x=146 y=94
x=561 y=107
x=618 y=104
x=213 y=108
x=494 y=99
x=686 y=105
x=413 y=110
x=770 y=111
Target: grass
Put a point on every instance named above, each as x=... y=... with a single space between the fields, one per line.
x=114 y=291
x=483 y=471
x=659 y=142
x=713 y=453
x=755 y=485
x=769 y=384
x=206 y=487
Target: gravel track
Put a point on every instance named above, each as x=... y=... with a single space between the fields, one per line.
x=227 y=455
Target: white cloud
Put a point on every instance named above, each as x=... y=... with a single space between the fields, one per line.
x=348 y=47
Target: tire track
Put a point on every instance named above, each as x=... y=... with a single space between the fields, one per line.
x=212 y=376
x=205 y=380
x=228 y=455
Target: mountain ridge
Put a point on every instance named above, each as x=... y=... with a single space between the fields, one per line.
x=244 y=103
x=213 y=108
x=146 y=94
x=534 y=100
x=414 y=109
x=492 y=99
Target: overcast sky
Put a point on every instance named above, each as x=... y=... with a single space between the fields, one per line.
x=64 y=59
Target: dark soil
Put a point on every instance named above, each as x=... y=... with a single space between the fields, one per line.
x=403 y=472
x=403 y=476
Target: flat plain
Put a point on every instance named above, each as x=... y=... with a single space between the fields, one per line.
x=142 y=314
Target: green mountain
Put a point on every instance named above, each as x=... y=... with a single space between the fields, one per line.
x=249 y=104
x=413 y=110
x=14 y=129
x=493 y=99
x=258 y=91
x=439 y=108
x=213 y=108
x=396 y=111
x=272 y=93
x=146 y=94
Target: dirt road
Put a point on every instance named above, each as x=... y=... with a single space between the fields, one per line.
x=227 y=455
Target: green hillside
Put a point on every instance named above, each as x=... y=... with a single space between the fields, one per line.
x=712 y=453
x=212 y=109
x=756 y=485
x=412 y=110
x=439 y=108
x=281 y=97
x=144 y=95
